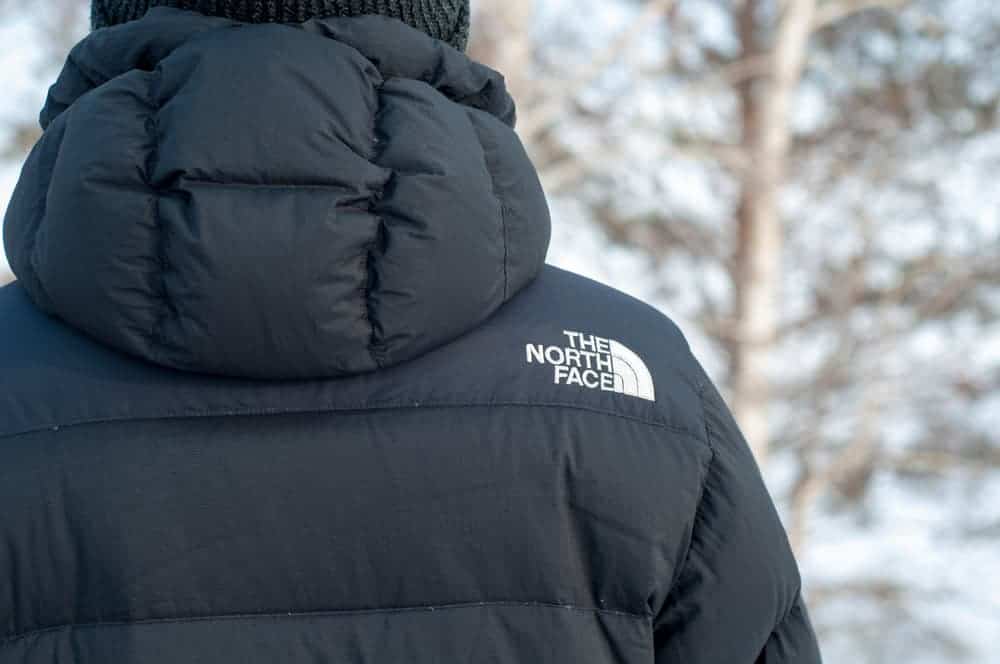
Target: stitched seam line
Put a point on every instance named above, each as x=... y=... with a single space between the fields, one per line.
x=496 y=194
x=698 y=517
x=237 y=184
x=368 y=306
x=506 y=246
x=13 y=638
x=368 y=262
x=156 y=332
x=322 y=186
x=171 y=415
x=795 y=606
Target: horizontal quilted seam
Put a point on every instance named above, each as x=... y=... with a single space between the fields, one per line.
x=263 y=186
x=14 y=638
x=167 y=307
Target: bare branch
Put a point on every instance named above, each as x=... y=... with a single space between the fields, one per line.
x=942 y=461
x=834 y=12
x=535 y=120
x=759 y=66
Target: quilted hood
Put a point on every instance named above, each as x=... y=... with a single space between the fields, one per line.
x=275 y=201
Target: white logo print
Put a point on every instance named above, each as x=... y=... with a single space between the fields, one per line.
x=595 y=363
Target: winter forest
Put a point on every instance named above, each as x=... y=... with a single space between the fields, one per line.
x=809 y=189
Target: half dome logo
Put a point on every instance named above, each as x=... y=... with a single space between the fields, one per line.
x=595 y=363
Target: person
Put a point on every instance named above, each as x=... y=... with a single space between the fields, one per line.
x=284 y=377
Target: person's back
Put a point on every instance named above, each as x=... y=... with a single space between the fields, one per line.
x=307 y=392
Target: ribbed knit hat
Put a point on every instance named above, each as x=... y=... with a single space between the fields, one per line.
x=447 y=20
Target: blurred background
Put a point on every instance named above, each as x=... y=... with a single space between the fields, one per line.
x=811 y=189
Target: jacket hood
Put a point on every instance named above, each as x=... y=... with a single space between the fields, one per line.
x=275 y=201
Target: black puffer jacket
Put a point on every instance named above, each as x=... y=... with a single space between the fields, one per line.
x=306 y=392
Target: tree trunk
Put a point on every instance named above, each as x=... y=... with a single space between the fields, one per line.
x=766 y=108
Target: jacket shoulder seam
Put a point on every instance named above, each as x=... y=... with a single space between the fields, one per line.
x=796 y=605
x=698 y=518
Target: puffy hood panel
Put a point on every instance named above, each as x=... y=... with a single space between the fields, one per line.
x=275 y=201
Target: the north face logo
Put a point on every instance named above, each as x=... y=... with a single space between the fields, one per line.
x=595 y=363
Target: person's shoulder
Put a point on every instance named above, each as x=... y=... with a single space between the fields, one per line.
x=24 y=338
x=23 y=327
x=574 y=301
x=13 y=300
x=585 y=342
x=563 y=341
x=48 y=370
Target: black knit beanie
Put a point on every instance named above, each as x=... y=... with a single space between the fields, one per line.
x=447 y=20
